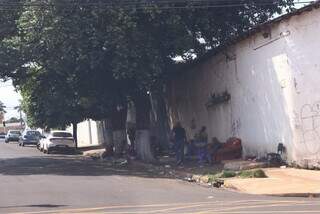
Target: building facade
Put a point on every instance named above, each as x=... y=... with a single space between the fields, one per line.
x=263 y=89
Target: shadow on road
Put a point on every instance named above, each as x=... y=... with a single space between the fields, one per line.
x=72 y=166
x=35 y=205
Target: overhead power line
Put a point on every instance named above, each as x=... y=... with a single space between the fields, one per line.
x=161 y=4
x=132 y=2
x=39 y=3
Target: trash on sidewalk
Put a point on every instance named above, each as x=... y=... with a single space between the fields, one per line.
x=120 y=162
x=190 y=179
x=274 y=160
x=218 y=183
x=230 y=150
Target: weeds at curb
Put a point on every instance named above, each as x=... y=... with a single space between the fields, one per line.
x=257 y=173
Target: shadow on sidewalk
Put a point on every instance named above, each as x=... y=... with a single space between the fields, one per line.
x=74 y=165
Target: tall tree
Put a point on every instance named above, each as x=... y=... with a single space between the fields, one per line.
x=2 y=108
x=87 y=57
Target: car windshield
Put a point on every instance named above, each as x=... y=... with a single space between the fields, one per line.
x=61 y=134
x=36 y=133
x=15 y=132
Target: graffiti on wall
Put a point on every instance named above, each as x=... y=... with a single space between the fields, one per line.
x=310 y=125
x=235 y=127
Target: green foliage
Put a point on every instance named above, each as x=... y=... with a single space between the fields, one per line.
x=2 y=107
x=227 y=174
x=81 y=61
x=257 y=173
x=211 y=178
x=223 y=174
x=8 y=17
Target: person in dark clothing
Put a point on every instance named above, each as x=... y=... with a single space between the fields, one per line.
x=179 y=139
x=213 y=148
x=202 y=143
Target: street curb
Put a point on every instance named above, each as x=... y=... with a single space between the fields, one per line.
x=88 y=148
x=203 y=180
x=298 y=195
x=289 y=195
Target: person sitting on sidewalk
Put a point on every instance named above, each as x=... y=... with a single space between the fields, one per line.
x=213 y=148
x=201 y=143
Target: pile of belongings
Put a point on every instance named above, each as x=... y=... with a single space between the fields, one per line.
x=230 y=150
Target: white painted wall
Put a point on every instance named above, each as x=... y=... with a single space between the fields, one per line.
x=89 y=133
x=275 y=90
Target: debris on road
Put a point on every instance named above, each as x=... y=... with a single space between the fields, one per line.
x=218 y=183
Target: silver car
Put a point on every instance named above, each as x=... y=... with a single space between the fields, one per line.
x=12 y=135
x=29 y=137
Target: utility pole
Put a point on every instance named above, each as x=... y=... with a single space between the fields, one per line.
x=4 y=126
x=21 y=124
x=19 y=109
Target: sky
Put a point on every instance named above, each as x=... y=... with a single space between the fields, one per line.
x=10 y=98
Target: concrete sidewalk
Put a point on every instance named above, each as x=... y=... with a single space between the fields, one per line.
x=280 y=182
x=93 y=152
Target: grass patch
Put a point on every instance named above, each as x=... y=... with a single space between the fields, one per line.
x=223 y=174
x=228 y=174
x=257 y=173
x=211 y=178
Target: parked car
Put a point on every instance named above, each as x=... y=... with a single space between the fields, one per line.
x=12 y=135
x=2 y=135
x=60 y=141
x=29 y=137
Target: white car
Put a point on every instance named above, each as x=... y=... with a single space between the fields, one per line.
x=60 y=141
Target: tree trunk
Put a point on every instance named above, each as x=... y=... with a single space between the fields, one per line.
x=131 y=128
x=108 y=136
x=159 y=121
x=143 y=136
x=118 y=121
x=75 y=133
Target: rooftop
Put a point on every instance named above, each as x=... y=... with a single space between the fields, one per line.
x=257 y=29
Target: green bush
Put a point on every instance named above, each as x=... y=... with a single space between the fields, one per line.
x=211 y=178
x=228 y=174
x=257 y=173
x=223 y=174
x=245 y=174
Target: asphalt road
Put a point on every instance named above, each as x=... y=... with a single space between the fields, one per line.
x=31 y=182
